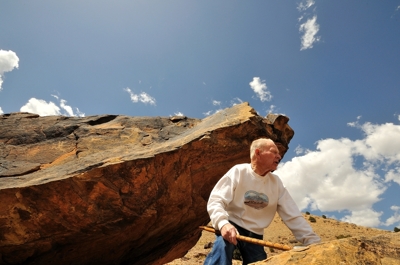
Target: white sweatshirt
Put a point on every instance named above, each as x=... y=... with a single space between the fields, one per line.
x=251 y=201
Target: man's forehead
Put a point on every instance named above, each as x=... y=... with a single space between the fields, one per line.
x=268 y=145
x=272 y=147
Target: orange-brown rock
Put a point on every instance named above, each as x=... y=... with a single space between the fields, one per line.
x=378 y=250
x=115 y=189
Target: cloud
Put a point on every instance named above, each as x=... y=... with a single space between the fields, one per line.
x=310 y=29
x=208 y=113
x=179 y=114
x=367 y=217
x=346 y=175
x=395 y=218
x=142 y=97
x=272 y=109
x=1 y=111
x=381 y=144
x=216 y=103
x=261 y=89
x=236 y=101
x=303 y=6
x=8 y=61
x=393 y=175
x=42 y=108
x=300 y=18
x=211 y=112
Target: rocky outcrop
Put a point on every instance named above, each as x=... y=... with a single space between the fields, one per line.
x=378 y=250
x=116 y=189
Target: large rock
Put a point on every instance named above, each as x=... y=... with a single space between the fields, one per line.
x=116 y=189
x=378 y=250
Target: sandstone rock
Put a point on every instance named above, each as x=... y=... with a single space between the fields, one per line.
x=378 y=250
x=115 y=189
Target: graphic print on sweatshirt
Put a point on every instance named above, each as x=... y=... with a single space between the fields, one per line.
x=255 y=199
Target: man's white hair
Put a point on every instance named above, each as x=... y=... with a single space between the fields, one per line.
x=259 y=144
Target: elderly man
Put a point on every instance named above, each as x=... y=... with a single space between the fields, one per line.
x=245 y=200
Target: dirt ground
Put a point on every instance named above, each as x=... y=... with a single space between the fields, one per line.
x=277 y=232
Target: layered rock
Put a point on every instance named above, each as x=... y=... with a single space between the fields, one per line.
x=378 y=250
x=115 y=189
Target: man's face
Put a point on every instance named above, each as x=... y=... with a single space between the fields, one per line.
x=269 y=157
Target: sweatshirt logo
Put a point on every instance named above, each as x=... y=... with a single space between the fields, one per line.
x=255 y=199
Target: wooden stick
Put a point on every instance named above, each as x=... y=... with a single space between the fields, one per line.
x=250 y=239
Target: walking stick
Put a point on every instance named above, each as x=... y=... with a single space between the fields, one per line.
x=250 y=240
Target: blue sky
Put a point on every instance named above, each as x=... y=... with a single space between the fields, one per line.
x=332 y=67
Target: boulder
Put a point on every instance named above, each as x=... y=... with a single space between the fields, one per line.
x=377 y=250
x=113 y=189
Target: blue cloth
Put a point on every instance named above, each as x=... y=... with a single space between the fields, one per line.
x=222 y=251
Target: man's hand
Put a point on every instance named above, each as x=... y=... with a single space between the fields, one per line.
x=229 y=232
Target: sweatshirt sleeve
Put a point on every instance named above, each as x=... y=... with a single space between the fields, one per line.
x=292 y=217
x=220 y=197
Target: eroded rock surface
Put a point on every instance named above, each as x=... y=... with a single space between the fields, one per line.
x=115 y=189
x=378 y=250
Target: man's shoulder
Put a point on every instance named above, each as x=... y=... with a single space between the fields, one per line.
x=275 y=177
x=242 y=166
x=239 y=169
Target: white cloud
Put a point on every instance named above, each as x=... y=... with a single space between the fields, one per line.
x=178 y=114
x=142 y=97
x=216 y=103
x=346 y=175
x=310 y=29
x=393 y=175
x=211 y=112
x=1 y=111
x=395 y=218
x=208 y=113
x=8 y=61
x=236 y=101
x=68 y=109
x=303 y=6
x=300 y=150
x=261 y=89
x=395 y=208
x=42 y=108
x=366 y=217
x=380 y=143
x=272 y=109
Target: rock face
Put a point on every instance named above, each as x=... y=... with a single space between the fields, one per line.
x=116 y=189
x=379 y=250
